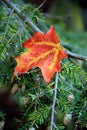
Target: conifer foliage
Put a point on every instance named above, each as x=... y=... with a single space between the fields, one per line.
x=57 y=103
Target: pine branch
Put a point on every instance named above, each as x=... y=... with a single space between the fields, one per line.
x=22 y=16
x=76 y=56
x=70 y=85
x=54 y=102
x=36 y=29
x=47 y=15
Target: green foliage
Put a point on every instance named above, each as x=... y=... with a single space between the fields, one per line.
x=72 y=79
x=37 y=117
x=2 y=115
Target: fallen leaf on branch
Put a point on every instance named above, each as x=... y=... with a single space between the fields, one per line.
x=43 y=51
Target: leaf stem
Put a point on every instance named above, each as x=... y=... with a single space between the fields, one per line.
x=54 y=102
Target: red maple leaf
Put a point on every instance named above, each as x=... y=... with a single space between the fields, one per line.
x=43 y=51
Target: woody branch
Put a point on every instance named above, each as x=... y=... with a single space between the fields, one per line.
x=36 y=29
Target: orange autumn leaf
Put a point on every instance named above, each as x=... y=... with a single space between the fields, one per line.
x=43 y=51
